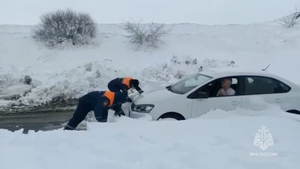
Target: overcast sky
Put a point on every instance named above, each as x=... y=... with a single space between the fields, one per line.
x=27 y=12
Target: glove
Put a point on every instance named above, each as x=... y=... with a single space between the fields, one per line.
x=129 y=100
x=141 y=91
x=120 y=113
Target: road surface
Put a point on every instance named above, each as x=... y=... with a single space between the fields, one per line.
x=34 y=121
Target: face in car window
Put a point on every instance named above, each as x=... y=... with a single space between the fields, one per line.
x=216 y=88
x=226 y=89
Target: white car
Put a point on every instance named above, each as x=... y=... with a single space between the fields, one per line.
x=196 y=95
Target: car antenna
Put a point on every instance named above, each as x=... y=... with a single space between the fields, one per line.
x=265 y=68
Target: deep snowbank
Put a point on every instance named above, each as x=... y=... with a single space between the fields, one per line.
x=71 y=72
x=211 y=141
x=95 y=75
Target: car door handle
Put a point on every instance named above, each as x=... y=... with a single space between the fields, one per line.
x=235 y=102
x=277 y=100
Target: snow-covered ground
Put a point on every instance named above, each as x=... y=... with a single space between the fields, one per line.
x=216 y=140
x=237 y=139
x=72 y=72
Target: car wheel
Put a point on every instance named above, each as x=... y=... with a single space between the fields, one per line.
x=172 y=116
x=293 y=111
x=167 y=119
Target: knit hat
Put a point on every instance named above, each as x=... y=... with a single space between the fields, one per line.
x=135 y=83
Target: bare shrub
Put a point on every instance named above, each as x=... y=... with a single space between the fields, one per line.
x=150 y=34
x=65 y=26
x=291 y=20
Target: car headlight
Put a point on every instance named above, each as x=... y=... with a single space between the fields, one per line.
x=142 y=108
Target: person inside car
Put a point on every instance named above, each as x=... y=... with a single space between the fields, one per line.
x=226 y=89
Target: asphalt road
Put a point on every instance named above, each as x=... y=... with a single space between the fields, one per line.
x=34 y=121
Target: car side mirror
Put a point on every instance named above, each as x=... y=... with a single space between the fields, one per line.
x=198 y=95
x=168 y=87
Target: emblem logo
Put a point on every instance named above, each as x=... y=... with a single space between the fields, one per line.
x=105 y=103
x=263 y=138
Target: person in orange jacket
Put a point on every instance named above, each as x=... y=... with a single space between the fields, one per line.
x=123 y=85
x=98 y=101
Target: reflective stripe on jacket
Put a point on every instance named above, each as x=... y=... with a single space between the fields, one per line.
x=111 y=96
x=126 y=81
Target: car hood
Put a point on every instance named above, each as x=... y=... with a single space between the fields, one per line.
x=153 y=96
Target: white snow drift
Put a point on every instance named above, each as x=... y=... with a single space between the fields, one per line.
x=239 y=139
x=72 y=72
x=218 y=139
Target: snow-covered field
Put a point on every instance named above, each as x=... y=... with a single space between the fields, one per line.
x=219 y=139
x=216 y=140
x=72 y=72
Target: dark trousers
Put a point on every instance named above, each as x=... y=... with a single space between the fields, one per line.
x=91 y=101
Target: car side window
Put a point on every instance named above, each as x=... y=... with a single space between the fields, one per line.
x=283 y=88
x=213 y=87
x=264 y=85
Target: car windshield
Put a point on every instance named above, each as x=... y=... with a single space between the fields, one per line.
x=189 y=83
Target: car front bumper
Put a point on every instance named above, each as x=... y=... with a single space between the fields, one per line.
x=139 y=115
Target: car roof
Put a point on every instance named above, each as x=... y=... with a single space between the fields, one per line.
x=223 y=72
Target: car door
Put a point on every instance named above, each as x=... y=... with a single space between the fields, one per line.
x=201 y=106
x=262 y=91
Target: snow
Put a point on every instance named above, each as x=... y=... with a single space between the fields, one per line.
x=168 y=11
x=218 y=139
x=71 y=72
